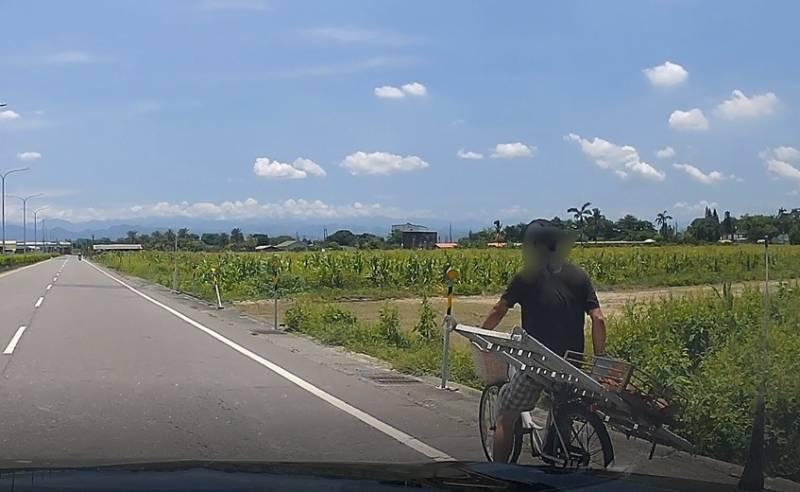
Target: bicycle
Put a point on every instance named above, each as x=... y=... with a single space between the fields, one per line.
x=566 y=439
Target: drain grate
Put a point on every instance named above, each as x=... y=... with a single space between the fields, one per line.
x=391 y=378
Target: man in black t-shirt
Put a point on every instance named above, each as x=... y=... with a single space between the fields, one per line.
x=555 y=297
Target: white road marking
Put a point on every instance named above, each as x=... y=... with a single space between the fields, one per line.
x=55 y=278
x=14 y=341
x=39 y=302
x=49 y=286
x=368 y=419
x=17 y=270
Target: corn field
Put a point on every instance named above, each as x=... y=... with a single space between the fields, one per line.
x=391 y=273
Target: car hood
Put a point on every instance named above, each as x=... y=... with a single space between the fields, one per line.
x=237 y=475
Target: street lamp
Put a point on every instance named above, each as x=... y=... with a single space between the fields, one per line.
x=35 y=212
x=25 y=217
x=3 y=199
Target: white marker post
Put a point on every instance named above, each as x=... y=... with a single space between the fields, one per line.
x=216 y=288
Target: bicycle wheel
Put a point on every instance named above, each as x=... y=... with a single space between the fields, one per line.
x=486 y=422
x=585 y=436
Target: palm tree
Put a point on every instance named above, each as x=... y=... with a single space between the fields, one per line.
x=596 y=217
x=498 y=230
x=580 y=215
x=662 y=221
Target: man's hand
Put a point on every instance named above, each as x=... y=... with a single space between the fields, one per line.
x=495 y=316
x=598 y=331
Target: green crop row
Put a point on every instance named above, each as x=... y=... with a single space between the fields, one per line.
x=395 y=273
x=15 y=260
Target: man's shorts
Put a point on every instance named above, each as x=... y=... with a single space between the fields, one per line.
x=519 y=395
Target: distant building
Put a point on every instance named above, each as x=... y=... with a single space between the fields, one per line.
x=290 y=245
x=116 y=247
x=415 y=236
x=446 y=245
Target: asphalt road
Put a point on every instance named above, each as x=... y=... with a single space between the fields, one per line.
x=110 y=369
x=102 y=373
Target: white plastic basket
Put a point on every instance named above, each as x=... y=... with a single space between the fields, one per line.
x=490 y=368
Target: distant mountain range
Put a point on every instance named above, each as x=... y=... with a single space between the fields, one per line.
x=61 y=229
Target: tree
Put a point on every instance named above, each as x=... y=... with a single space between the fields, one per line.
x=755 y=227
x=515 y=233
x=580 y=214
x=131 y=237
x=369 y=241
x=236 y=236
x=342 y=238
x=630 y=228
x=662 y=221
x=260 y=239
x=728 y=226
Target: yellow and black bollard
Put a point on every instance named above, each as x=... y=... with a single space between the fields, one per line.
x=450 y=277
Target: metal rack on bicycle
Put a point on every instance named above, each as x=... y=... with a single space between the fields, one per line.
x=627 y=398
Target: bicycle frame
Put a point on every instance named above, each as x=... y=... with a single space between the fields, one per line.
x=536 y=432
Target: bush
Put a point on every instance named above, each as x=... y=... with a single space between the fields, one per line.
x=18 y=260
x=297 y=316
x=389 y=325
x=428 y=320
x=708 y=347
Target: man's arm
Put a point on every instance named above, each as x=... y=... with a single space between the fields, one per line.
x=496 y=315
x=598 y=331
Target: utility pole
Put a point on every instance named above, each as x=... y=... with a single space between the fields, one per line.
x=35 y=213
x=3 y=177
x=25 y=217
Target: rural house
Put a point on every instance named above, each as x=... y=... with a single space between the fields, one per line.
x=415 y=236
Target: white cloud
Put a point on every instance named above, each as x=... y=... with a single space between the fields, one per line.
x=666 y=75
x=468 y=154
x=665 y=153
x=389 y=92
x=621 y=159
x=513 y=150
x=309 y=166
x=698 y=175
x=250 y=208
x=415 y=89
x=786 y=153
x=694 y=119
x=783 y=169
x=29 y=156
x=779 y=161
x=299 y=169
x=350 y=35
x=381 y=163
x=8 y=115
x=739 y=106
x=698 y=207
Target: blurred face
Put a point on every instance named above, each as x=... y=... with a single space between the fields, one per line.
x=546 y=254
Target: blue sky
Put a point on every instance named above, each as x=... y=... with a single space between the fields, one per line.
x=268 y=109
